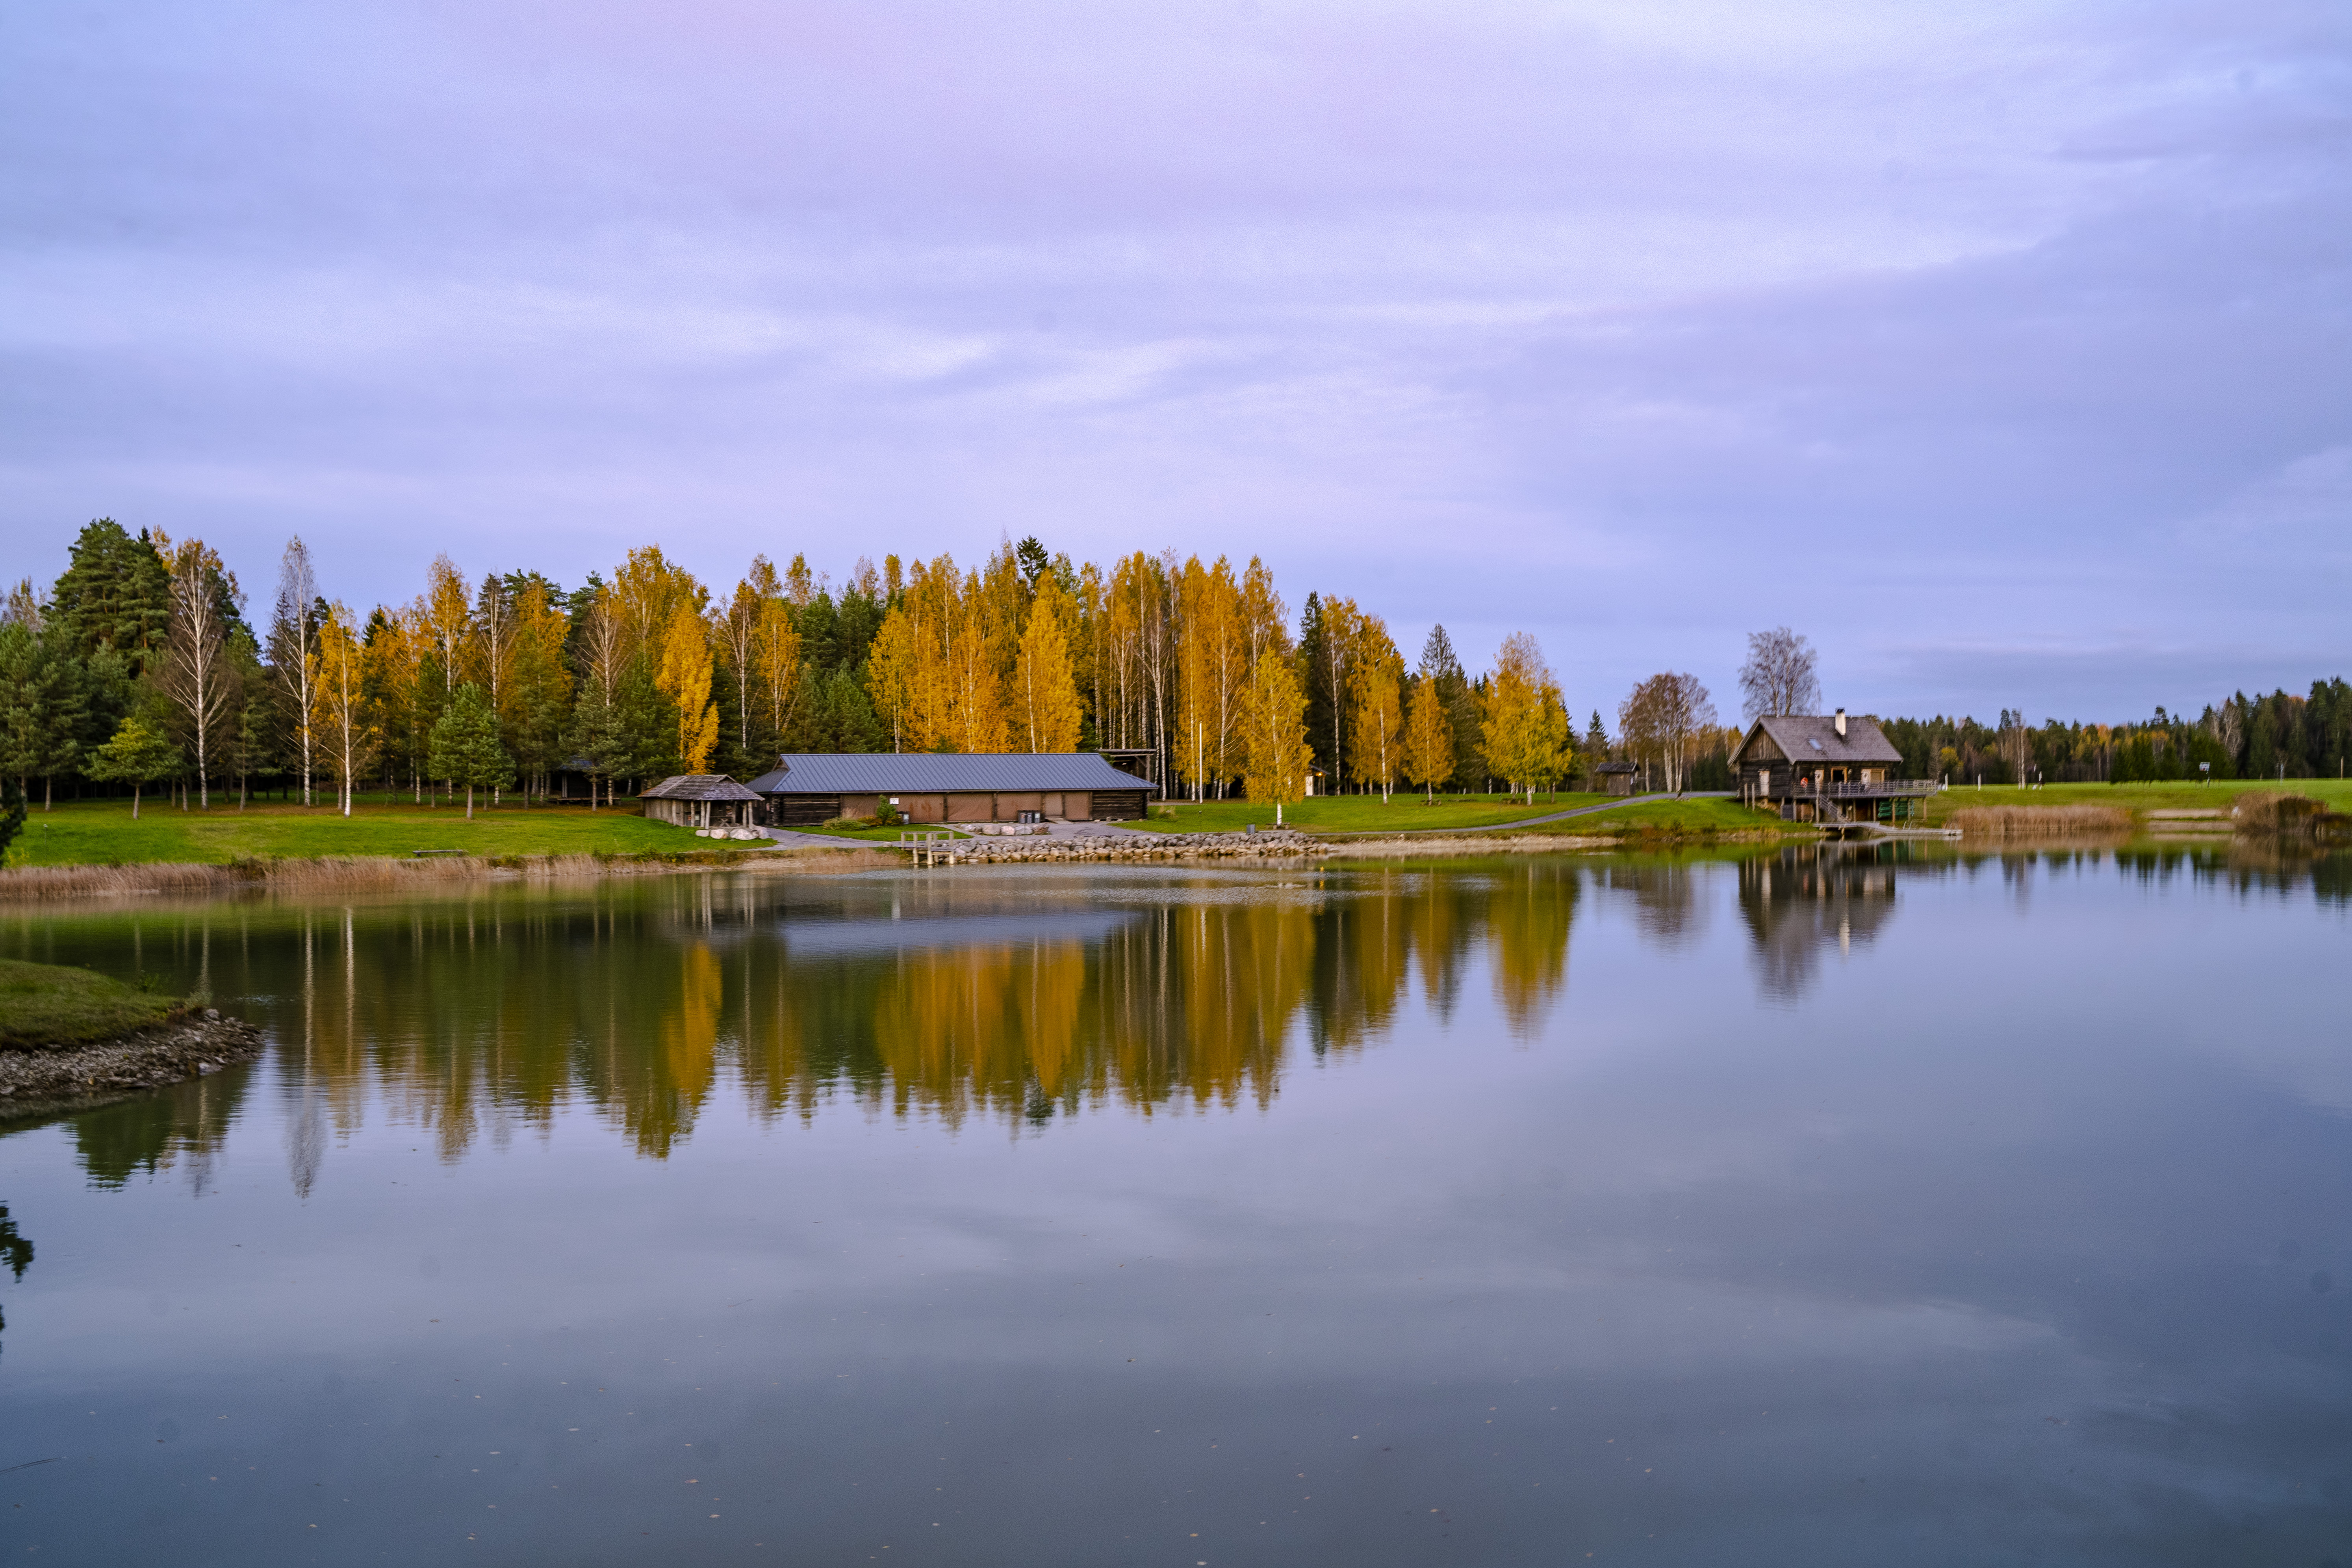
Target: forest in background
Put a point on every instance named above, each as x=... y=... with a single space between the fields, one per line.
x=141 y=668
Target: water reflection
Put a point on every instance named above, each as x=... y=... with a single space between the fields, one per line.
x=15 y=1251
x=1018 y=998
x=1800 y=904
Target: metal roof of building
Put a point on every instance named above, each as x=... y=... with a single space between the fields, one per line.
x=697 y=786
x=929 y=773
x=1810 y=738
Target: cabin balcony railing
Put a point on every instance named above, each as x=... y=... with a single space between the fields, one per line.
x=1852 y=790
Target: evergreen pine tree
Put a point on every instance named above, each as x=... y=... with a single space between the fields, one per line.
x=114 y=594
x=11 y=823
x=466 y=748
x=43 y=704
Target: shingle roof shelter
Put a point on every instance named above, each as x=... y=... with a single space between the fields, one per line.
x=809 y=787
x=700 y=800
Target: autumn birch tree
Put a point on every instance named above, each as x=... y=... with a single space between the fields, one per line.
x=776 y=662
x=1044 y=689
x=685 y=678
x=1525 y=724
x=1428 y=739
x=1276 y=758
x=196 y=673
x=1376 y=708
x=293 y=637
x=339 y=706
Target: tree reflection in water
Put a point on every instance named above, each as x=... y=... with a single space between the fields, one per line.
x=1018 y=998
x=1015 y=998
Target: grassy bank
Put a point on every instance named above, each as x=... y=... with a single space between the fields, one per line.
x=44 y=1005
x=102 y=832
x=1666 y=817
x=2137 y=798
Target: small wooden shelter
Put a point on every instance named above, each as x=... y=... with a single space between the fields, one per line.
x=700 y=800
x=1615 y=778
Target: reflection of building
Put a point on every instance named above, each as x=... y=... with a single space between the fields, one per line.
x=1802 y=901
x=700 y=800
x=1825 y=770
x=811 y=787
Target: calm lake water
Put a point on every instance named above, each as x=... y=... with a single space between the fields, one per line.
x=1812 y=1207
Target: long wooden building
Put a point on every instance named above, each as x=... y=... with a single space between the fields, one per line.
x=807 y=788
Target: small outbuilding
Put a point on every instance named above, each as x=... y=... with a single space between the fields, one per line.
x=809 y=788
x=1616 y=778
x=701 y=800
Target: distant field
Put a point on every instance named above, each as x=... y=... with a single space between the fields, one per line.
x=2138 y=797
x=100 y=833
x=1360 y=813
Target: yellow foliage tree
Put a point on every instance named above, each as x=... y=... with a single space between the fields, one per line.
x=1212 y=666
x=446 y=620
x=1428 y=739
x=776 y=660
x=339 y=707
x=1376 y=687
x=1526 y=726
x=1046 y=708
x=685 y=678
x=890 y=675
x=1276 y=758
x=646 y=595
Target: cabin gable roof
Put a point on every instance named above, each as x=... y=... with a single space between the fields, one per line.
x=1807 y=738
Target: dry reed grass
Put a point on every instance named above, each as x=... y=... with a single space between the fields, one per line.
x=2040 y=821
x=2288 y=817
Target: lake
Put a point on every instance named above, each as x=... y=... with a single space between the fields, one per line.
x=1815 y=1205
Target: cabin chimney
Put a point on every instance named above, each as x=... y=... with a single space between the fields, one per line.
x=1841 y=723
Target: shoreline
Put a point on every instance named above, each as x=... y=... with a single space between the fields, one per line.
x=44 y=1081
x=32 y=884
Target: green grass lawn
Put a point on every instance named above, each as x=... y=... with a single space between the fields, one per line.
x=44 y=1005
x=100 y=833
x=2140 y=797
x=1360 y=813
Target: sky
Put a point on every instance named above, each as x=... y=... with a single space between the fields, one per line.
x=2004 y=351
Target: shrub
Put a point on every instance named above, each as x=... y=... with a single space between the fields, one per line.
x=2288 y=817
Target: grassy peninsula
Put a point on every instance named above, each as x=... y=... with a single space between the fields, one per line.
x=47 y=1004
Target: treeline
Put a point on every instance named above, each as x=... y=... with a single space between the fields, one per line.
x=140 y=668
x=2278 y=736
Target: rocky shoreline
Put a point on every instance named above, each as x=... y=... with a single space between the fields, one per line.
x=44 y=1078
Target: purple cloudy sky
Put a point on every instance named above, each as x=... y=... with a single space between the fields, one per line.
x=2005 y=350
